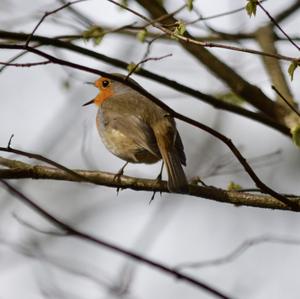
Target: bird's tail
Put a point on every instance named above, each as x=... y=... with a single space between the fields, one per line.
x=177 y=181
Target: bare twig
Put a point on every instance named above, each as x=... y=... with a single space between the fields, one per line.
x=277 y=25
x=183 y=38
x=21 y=170
x=241 y=249
x=87 y=21
x=286 y=101
x=219 y=15
x=224 y=165
x=47 y=14
x=158 y=78
x=27 y=64
x=89 y=238
x=136 y=66
x=36 y=229
x=9 y=149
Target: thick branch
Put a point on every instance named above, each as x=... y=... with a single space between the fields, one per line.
x=239 y=85
x=265 y=38
x=160 y=79
x=21 y=170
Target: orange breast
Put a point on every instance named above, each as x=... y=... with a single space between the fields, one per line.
x=103 y=95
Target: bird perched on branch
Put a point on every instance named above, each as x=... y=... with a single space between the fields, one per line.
x=137 y=130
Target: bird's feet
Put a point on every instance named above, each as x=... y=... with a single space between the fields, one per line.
x=157 y=181
x=118 y=175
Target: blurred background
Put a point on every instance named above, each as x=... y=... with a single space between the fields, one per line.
x=41 y=106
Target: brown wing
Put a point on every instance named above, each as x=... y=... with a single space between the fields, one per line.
x=180 y=149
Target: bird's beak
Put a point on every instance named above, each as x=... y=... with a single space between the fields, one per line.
x=89 y=102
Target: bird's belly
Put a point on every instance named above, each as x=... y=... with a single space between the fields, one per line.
x=125 y=148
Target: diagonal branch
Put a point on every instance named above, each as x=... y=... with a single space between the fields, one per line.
x=266 y=38
x=47 y=14
x=147 y=74
x=99 y=242
x=278 y=26
x=239 y=85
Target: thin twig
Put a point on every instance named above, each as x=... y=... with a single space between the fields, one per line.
x=47 y=14
x=9 y=149
x=36 y=229
x=89 y=238
x=209 y=99
x=183 y=38
x=286 y=101
x=27 y=64
x=238 y=251
x=146 y=60
x=87 y=21
x=219 y=15
x=277 y=25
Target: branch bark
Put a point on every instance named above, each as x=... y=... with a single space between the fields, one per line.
x=21 y=170
x=155 y=77
x=239 y=85
x=258 y=182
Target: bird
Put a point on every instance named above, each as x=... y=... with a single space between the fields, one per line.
x=137 y=130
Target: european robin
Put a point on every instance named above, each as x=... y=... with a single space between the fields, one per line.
x=137 y=130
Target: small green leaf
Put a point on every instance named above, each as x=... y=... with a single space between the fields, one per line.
x=251 y=8
x=189 y=4
x=95 y=33
x=296 y=134
x=292 y=68
x=180 y=28
x=232 y=186
x=141 y=35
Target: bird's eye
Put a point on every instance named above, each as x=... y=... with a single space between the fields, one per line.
x=105 y=83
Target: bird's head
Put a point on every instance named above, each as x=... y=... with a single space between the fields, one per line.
x=108 y=88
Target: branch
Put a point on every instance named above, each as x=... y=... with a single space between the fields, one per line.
x=239 y=85
x=290 y=105
x=21 y=170
x=238 y=251
x=174 y=114
x=27 y=64
x=155 y=77
x=9 y=149
x=47 y=14
x=110 y=246
x=265 y=38
x=286 y=13
x=277 y=25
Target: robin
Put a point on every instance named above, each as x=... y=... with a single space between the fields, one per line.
x=137 y=130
